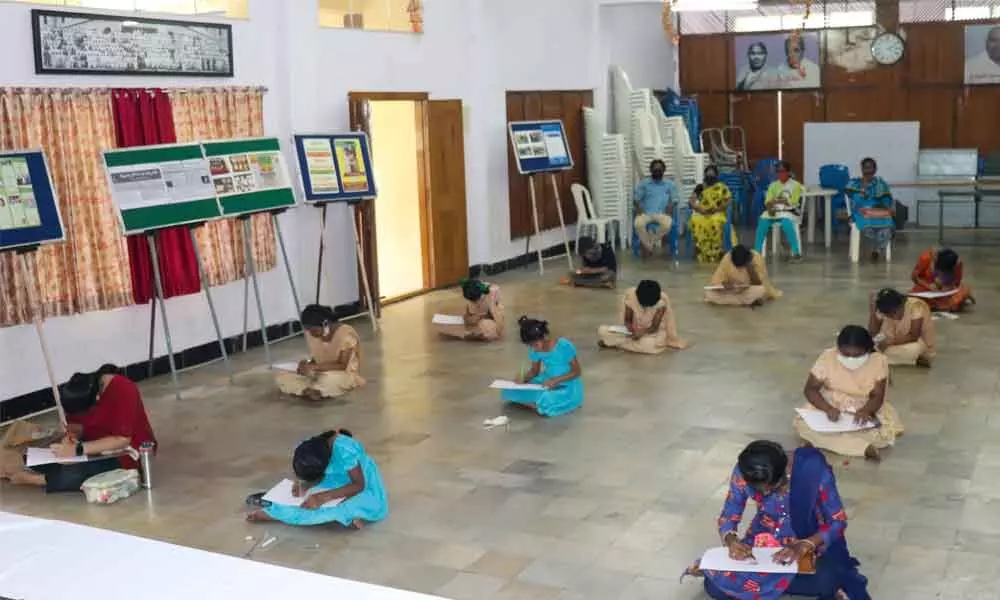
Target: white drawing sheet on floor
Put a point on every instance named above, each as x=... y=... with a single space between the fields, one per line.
x=932 y=295
x=36 y=457
x=619 y=329
x=820 y=423
x=282 y=494
x=290 y=367
x=717 y=559
x=440 y=319
x=506 y=384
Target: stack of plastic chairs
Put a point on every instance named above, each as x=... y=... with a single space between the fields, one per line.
x=675 y=105
x=835 y=177
x=610 y=181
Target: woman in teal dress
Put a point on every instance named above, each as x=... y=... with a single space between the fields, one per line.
x=553 y=366
x=872 y=207
x=338 y=467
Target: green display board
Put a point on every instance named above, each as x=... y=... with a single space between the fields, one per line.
x=155 y=187
x=249 y=175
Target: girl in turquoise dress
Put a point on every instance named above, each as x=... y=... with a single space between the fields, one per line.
x=338 y=466
x=553 y=366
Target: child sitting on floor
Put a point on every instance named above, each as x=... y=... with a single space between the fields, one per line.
x=553 y=366
x=335 y=366
x=600 y=266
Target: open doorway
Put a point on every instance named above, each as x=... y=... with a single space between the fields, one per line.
x=399 y=210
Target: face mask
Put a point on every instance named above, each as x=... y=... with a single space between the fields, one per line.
x=783 y=177
x=853 y=363
x=657 y=174
x=711 y=179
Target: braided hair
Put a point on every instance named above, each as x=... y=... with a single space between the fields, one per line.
x=763 y=464
x=533 y=330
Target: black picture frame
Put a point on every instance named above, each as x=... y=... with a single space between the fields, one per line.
x=44 y=60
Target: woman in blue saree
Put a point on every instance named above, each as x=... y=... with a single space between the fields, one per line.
x=553 y=366
x=328 y=467
x=872 y=207
x=799 y=510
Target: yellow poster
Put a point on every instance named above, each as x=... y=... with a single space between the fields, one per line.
x=351 y=163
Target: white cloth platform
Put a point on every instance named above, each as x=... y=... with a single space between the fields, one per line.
x=54 y=560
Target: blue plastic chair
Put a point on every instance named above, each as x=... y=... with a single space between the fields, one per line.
x=835 y=177
x=764 y=173
x=737 y=186
x=672 y=236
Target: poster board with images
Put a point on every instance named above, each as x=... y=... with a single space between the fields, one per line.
x=777 y=61
x=335 y=167
x=982 y=54
x=29 y=208
x=540 y=146
x=249 y=175
x=155 y=187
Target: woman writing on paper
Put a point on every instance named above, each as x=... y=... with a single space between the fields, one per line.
x=329 y=467
x=741 y=280
x=799 y=510
x=335 y=363
x=941 y=271
x=902 y=327
x=649 y=318
x=483 y=320
x=849 y=382
x=104 y=414
x=783 y=206
x=554 y=366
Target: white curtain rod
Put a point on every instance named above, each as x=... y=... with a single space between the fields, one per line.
x=168 y=90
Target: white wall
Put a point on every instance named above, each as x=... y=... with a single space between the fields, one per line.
x=475 y=50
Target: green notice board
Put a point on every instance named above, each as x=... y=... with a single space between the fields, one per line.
x=249 y=175
x=161 y=186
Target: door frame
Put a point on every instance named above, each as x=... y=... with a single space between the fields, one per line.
x=359 y=121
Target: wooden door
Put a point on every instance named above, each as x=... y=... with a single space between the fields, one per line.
x=364 y=213
x=446 y=220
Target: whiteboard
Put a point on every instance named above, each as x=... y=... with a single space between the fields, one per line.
x=895 y=146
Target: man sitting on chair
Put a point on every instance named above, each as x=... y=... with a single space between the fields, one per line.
x=654 y=202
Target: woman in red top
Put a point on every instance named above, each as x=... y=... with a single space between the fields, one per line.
x=105 y=414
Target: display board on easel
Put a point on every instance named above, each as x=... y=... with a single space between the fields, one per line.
x=249 y=175
x=540 y=147
x=30 y=218
x=337 y=168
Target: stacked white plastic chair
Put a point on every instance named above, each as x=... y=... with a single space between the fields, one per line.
x=610 y=177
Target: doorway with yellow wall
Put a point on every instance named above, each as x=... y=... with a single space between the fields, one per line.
x=399 y=207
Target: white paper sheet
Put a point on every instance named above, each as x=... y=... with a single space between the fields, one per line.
x=282 y=494
x=714 y=288
x=820 y=423
x=717 y=559
x=932 y=295
x=506 y=384
x=619 y=329
x=943 y=315
x=440 y=319
x=37 y=457
x=291 y=367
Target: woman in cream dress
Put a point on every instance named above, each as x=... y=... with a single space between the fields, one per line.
x=648 y=316
x=849 y=382
x=335 y=363
x=903 y=328
x=741 y=280
x=484 y=314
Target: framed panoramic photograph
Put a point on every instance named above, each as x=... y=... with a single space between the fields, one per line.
x=92 y=44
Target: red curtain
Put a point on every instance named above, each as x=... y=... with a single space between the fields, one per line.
x=145 y=118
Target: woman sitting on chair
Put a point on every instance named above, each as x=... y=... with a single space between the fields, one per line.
x=872 y=207
x=941 y=271
x=710 y=213
x=783 y=206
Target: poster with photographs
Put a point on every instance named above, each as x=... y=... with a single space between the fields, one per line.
x=18 y=208
x=80 y=43
x=247 y=173
x=540 y=146
x=29 y=210
x=776 y=61
x=982 y=54
x=335 y=167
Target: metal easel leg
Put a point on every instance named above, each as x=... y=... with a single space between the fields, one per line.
x=288 y=265
x=211 y=305
x=252 y=272
x=151 y=238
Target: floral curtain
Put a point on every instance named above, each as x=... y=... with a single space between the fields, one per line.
x=225 y=113
x=86 y=273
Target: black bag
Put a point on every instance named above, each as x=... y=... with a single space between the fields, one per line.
x=902 y=216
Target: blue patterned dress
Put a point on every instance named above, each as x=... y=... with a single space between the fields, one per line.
x=873 y=195
x=772 y=527
x=557 y=401
x=369 y=505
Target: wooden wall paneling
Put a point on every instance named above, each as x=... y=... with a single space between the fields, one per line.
x=934 y=108
x=865 y=104
x=757 y=114
x=935 y=53
x=572 y=110
x=979 y=119
x=518 y=202
x=797 y=109
x=714 y=109
x=705 y=63
x=552 y=108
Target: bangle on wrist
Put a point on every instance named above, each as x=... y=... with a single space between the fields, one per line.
x=812 y=546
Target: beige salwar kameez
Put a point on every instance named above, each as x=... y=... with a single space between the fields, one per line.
x=848 y=391
x=750 y=284
x=907 y=354
x=652 y=342
x=484 y=319
x=330 y=384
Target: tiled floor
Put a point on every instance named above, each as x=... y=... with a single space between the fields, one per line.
x=615 y=500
